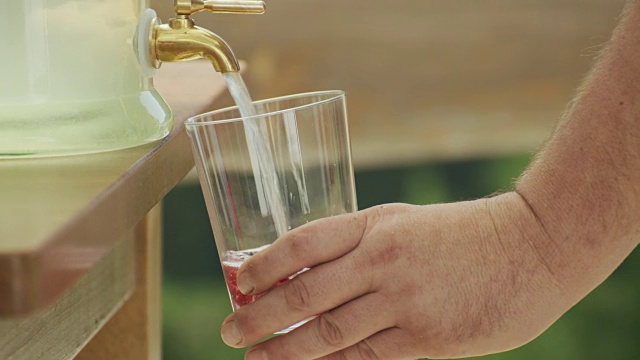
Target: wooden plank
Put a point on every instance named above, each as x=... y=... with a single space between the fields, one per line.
x=58 y=332
x=134 y=332
x=60 y=216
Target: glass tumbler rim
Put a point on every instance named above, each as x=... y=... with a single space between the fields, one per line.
x=192 y=122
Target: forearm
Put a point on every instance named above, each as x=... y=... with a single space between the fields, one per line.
x=584 y=187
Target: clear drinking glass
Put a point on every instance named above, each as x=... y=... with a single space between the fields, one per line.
x=295 y=168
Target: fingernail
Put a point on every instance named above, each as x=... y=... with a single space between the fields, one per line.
x=231 y=334
x=257 y=354
x=244 y=282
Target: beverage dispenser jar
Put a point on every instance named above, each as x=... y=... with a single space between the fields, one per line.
x=70 y=80
x=76 y=75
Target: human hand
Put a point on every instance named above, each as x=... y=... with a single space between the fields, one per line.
x=400 y=281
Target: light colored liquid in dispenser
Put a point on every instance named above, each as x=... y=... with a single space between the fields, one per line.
x=65 y=127
x=71 y=82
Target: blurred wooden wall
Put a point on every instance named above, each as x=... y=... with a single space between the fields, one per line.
x=426 y=79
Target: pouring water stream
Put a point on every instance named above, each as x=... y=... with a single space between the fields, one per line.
x=267 y=182
x=262 y=159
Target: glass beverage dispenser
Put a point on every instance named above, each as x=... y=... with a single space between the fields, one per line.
x=76 y=75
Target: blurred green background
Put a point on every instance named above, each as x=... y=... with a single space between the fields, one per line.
x=605 y=325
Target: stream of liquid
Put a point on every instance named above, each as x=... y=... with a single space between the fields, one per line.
x=262 y=163
x=267 y=182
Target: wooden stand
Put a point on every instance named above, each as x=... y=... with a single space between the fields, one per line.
x=80 y=239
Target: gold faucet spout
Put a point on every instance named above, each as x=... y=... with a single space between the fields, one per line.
x=181 y=40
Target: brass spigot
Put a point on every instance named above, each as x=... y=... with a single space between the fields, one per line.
x=180 y=39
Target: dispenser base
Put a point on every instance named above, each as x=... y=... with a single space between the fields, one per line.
x=55 y=129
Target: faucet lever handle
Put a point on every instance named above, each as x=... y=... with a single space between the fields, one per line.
x=188 y=7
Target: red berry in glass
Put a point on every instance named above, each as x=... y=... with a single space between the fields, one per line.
x=230 y=264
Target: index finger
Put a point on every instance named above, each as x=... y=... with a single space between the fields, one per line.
x=309 y=245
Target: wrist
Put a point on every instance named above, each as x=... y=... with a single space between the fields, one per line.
x=524 y=237
x=536 y=292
